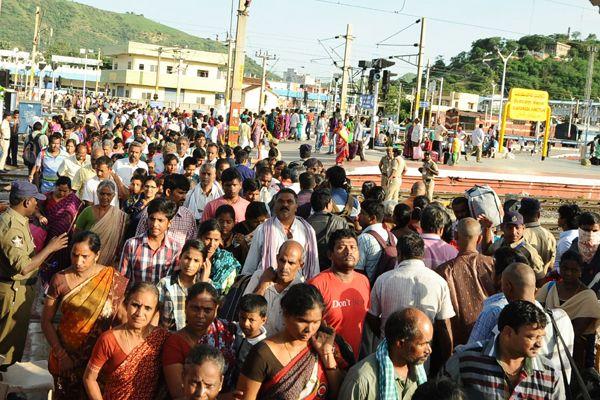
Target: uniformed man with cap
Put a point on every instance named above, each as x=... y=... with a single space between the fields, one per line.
x=18 y=268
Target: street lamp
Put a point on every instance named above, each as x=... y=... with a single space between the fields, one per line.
x=505 y=61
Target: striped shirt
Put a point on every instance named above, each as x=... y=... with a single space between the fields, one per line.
x=411 y=284
x=140 y=263
x=482 y=377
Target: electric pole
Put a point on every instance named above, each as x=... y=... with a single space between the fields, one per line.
x=179 y=69
x=230 y=47
x=426 y=91
x=419 y=69
x=98 y=71
x=346 y=71
x=36 y=39
x=238 y=70
x=588 y=89
x=439 y=110
x=157 y=78
x=399 y=99
x=265 y=57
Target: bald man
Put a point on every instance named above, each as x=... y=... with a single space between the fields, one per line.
x=273 y=283
x=408 y=336
x=470 y=278
x=518 y=283
x=417 y=189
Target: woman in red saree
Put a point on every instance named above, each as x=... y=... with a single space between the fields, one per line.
x=298 y=363
x=88 y=296
x=128 y=356
x=60 y=208
x=341 y=143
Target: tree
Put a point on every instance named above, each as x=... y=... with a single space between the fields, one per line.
x=533 y=42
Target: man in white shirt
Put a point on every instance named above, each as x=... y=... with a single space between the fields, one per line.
x=369 y=249
x=274 y=282
x=477 y=141
x=5 y=139
x=439 y=135
x=103 y=172
x=412 y=284
x=416 y=137
x=72 y=164
x=125 y=167
x=208 y=190
x=294 y=120
x=272 y=233
x=567 y=222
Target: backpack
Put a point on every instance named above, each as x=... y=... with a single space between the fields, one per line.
x=322 y=240
x=389 y=255
x=483 y=200
x=31 y=149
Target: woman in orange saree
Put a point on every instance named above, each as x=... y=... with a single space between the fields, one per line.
x=127 y=358
x=88 y=296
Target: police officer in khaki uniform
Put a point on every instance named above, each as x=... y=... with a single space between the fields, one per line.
x=19 y=267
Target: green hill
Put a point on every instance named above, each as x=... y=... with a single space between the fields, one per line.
x=76 y=26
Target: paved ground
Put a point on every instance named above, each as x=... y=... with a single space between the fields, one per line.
x=555 y=165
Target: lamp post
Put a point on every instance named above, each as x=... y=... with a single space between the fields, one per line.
x=505 y=61
x=85 y=52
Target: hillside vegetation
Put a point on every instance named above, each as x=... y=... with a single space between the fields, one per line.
x=76 y=26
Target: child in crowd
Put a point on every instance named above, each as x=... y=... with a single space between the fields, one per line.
x=251 y=326
x=173 y=288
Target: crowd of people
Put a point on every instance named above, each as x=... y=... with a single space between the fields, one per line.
x=173 y=263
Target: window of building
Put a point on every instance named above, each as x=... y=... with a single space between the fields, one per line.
x=201 y=73
x=471 y=106
x=146 y=96
x=169 y=69
x=200 y=100
x=456 y=104
x=115 y=66
x=153 y=68
x=128 y=64
x=126 y=92
x=141 y=68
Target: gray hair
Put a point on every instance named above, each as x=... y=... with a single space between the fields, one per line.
x=205 y=167
x=108 y=142
x=135 y=144
x=202 y=353
x=107 y=184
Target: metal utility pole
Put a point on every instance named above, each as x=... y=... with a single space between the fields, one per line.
x=157 y=79
x=238 y=68
x=431 y=103
x=346 y=70
x=375 y=117
x=179 y=69
x=98 y=71
x=36 y=40
x=412 y=103
x=265 y=57
x=425 y=92
x=588 y=89
x=439 y=110
x=230 y=49
x=419 y=69
x=505 y=61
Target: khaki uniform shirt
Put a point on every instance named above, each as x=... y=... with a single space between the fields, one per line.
x=530 y=253
x=385 y=165
x=398 y=167
x=16 y=246
x=543 y=241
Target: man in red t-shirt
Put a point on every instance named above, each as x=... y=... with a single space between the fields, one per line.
x=346 y=292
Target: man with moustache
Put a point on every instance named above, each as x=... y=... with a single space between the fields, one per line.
x=396 y=369
x=509 y=366
x=345 y=292
x=271 y=234
x=273 y=283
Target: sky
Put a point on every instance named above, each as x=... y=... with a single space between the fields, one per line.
x=291 y=29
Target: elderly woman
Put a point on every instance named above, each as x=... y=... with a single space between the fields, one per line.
x=297 y=362
x=129 y=355
x=107 y=221
x=202 y=327
x=579 y=302
x=203 y=373
x=88 y=296
x=61 y=207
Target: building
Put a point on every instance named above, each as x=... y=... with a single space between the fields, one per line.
x=150 y=72
x=557 y=50
x=251 y=94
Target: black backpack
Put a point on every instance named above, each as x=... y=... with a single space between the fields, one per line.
x=31 y=149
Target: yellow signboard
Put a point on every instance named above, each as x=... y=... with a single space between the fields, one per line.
x=527 y=104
